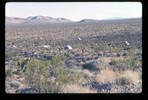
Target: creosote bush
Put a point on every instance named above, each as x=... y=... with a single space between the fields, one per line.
x=56 y=61
x=37 y=74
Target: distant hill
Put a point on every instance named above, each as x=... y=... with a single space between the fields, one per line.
x=87 y=20
x=36 y=19
x=40 y=18
x=15 y=20
x=63 y=20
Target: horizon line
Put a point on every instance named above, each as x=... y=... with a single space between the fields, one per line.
x=110 y=18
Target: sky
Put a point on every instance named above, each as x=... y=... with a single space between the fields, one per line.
x=75 y=10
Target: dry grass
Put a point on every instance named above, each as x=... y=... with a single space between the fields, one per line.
x=76 y=89
x=132 y=77
x=125 y=77
x=106 y=76
x=87 y=72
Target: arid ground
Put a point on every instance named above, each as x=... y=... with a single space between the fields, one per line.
x=75 y=57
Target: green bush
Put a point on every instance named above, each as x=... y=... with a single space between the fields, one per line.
x=135 y=63
x=37 y=74
x=65 y=76
x=8 y=72
x=131 y=63
x=56 y=61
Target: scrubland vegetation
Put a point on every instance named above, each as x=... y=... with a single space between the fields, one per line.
x=37 y=62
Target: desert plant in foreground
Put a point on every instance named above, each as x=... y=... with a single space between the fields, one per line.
x=56 y=61
x=71 y=88
x=132 y=62
x=65 y=76
x=128 y=77
x=122 y=78
x=129 y=62
x=37 y=74
x=106 y=76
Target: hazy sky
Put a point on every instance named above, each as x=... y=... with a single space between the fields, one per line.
x=75 y=10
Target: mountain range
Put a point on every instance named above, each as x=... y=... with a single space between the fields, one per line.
x=46 y=19
x=36 y=19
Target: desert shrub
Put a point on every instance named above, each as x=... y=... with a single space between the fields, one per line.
x=118 y=65
x=8 y=72
x=106 y=76
x=65 y=76
x=56 y=61
x=131 y=63
x=128 y=77
x=135 y=63
x=62 y=75
x=122 y=81
x=37 y=75
x=123 y=78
